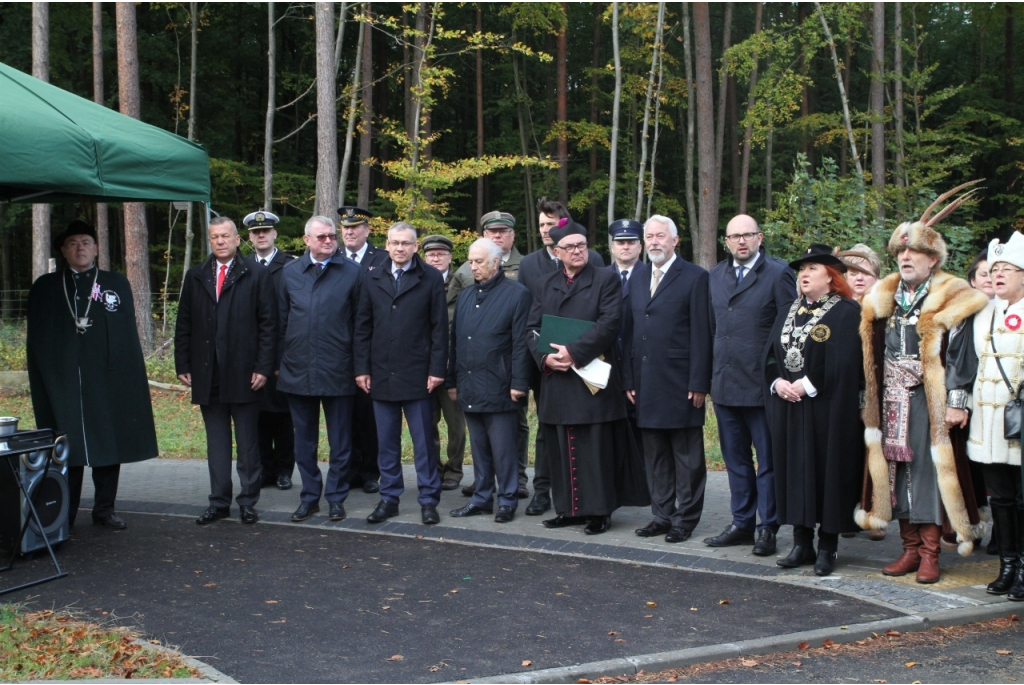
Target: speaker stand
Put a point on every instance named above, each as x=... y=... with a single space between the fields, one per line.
x=12 y=463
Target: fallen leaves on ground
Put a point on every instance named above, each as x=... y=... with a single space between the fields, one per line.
x=723 y=601
x=748 y=663
x=527 y=662
x=1004 y=652
x=396 y=657
x=911 y=664
x=652 y=604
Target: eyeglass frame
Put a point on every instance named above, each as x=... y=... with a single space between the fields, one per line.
x=578 y=247
x=736 y=237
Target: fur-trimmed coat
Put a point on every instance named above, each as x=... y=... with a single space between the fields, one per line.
x=950 y=300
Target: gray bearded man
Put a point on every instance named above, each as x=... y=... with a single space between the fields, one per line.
x=916 y=462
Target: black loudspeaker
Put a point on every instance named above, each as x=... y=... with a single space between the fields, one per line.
x=46 y=479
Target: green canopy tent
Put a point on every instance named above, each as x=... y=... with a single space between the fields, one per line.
x=59 y=147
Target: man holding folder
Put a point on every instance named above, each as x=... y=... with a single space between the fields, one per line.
x=595 y=467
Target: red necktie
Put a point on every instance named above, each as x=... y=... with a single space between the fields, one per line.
x=221 y=275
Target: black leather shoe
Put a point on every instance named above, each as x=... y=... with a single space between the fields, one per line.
x=383 y=512
x=765 y=545
x=469 y=510
x=562 y=521
x=284 y=482
x=212 y=514
x=597 y=525
x=653 y=530
x=505 y=514
x=540 y=503
x=371 y=486
x=677 y=535
x=337 y=511
x=111 y=521
x=522 y=492
x=248 y=515
x=730 y=537
x=468 y=490
x=449 y=484
x=428 y=512
x=826 y=563
x=305 y=510
x=798 y=556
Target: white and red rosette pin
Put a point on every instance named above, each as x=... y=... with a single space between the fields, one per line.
x=1012 y=322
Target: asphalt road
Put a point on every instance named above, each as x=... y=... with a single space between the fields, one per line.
x=273 y=603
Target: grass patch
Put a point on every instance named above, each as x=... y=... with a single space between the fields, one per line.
x=58 y=646
x=12 y=346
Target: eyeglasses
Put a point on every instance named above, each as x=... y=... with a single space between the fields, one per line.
x=325 y=237
x=578 y=247
x=401 y=243
x=736 y=237
x=1003 y=270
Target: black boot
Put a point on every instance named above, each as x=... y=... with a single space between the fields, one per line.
x=1016 y=593
x=1004 y=532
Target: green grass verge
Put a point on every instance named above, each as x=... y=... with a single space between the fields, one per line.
x=58 y=646
x=181 y=435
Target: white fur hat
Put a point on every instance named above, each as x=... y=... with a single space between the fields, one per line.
x=1011 y=252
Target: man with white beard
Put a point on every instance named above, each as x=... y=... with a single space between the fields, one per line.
x=667 y=376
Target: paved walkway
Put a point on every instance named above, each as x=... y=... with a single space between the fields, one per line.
x=170 y=486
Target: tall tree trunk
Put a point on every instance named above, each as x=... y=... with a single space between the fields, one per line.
x=136 y=233
x=353 y=103
x=745 y=169
x=842 y=92
x=723 y=88
x=366 y=123
x=595 y=63
x=41 y=70
x=897 y=29
x=268 y=128
x=734 y=139
x=657 y=128
x=479 y=112
x=102 y=219
x=193 y=67
x=521 y=112
x=326 y=113
x=561 y=104
x=691 y=103
x=1010 y=67
x=847 y=60
x=642 y=171
x=708 y=197
x=616 y=104
x=806 y=141
x=917 y=70
x=768 y=170
x=878 y=103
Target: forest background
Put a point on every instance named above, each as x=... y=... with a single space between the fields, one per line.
x=828 y=123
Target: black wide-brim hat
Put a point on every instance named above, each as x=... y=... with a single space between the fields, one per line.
x=819 y=254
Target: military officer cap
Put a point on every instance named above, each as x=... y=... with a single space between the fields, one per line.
x=437 y=242
x=626 y=229
x=496 y=221
x=260 y=220
x=351 y=215
x=76 y=227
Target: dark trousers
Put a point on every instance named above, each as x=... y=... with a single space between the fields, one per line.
x=1004 y=485
x=455 y=420
x=104 y=480
x=752 y=493
x=803 y=536
x=494 y=456
x=306 y=418
x=277 y=444
x=676 y=475
x=541 y=466
x=363 y=465
x=419 y=414
x=218 y=417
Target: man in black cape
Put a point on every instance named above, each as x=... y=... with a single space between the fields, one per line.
x=86 y=371
x=595 y=467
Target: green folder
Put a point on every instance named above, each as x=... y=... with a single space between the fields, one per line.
x=561 y=331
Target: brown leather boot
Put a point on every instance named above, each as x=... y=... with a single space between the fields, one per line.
x=911 y=557
x=928 y=571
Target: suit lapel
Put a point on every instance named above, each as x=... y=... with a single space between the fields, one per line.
x=208 y=279
x=584 y=279
x=748 y=279
x=673 y=274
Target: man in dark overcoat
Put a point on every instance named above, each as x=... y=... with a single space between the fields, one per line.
x=86 y=371
x=224 y=351
x=488 y=375
x=277 y=435
x=317 y=299
x=594 y=464
x=401 y=357
x=532 y=270
x=748 y=290
x=354 y=226
x=667 y=377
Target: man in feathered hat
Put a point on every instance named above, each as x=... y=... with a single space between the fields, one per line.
x=917 y=462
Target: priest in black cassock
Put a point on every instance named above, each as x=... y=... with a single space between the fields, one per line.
x=595 y=467
x=86 y=371
x=814 y=372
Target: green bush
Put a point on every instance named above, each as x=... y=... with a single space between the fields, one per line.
x=12 y=346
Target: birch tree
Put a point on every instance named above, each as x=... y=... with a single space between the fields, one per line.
x=705 y=252
x=268 y=129
x=193 y=66
x=878 y=103
x=691 y=104
x=616 y=104
x=353 y=105
x=41 y=70
x=659 y=32
x=327 y=124
x=842 y=91
x=748 y=133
